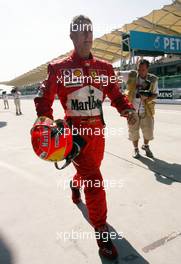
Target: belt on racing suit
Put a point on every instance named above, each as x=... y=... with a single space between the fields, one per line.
x=83 y=120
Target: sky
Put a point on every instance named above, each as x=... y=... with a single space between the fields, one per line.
x=34 y=32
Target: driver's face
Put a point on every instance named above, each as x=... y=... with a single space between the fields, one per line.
x=143 y=70
x=82 y=38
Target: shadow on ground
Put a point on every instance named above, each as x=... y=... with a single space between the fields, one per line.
x=6 y=256
x=165 y=172
x=127 y=253
x=3 y=124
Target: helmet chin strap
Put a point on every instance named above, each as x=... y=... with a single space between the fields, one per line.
x=70 y=158
x=78 y=143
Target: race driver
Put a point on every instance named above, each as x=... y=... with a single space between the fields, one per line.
x=82 y=100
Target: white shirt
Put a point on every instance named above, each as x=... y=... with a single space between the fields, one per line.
x=137 y=103
x=17 y=95
x=5 y=97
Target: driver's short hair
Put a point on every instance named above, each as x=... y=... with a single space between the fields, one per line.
x=80 y=20
x=143 y=61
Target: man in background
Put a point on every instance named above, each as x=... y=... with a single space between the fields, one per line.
x=142 y=90
x=16 y=94
x=5 y=99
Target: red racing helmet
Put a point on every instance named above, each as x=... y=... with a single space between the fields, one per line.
x=51 y=140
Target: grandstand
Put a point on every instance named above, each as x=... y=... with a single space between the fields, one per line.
x=166 y=20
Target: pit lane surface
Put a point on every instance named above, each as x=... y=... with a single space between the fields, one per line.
x=40 y=224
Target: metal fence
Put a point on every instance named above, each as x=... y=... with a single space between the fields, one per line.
x=171 y=83
x=167 y=82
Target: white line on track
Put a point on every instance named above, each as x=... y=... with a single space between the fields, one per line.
x=23 y=174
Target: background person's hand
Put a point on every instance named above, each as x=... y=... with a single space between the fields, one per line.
x=143 y=98
x=132 y=118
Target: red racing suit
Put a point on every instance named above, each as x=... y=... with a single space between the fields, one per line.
x=81 y=86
